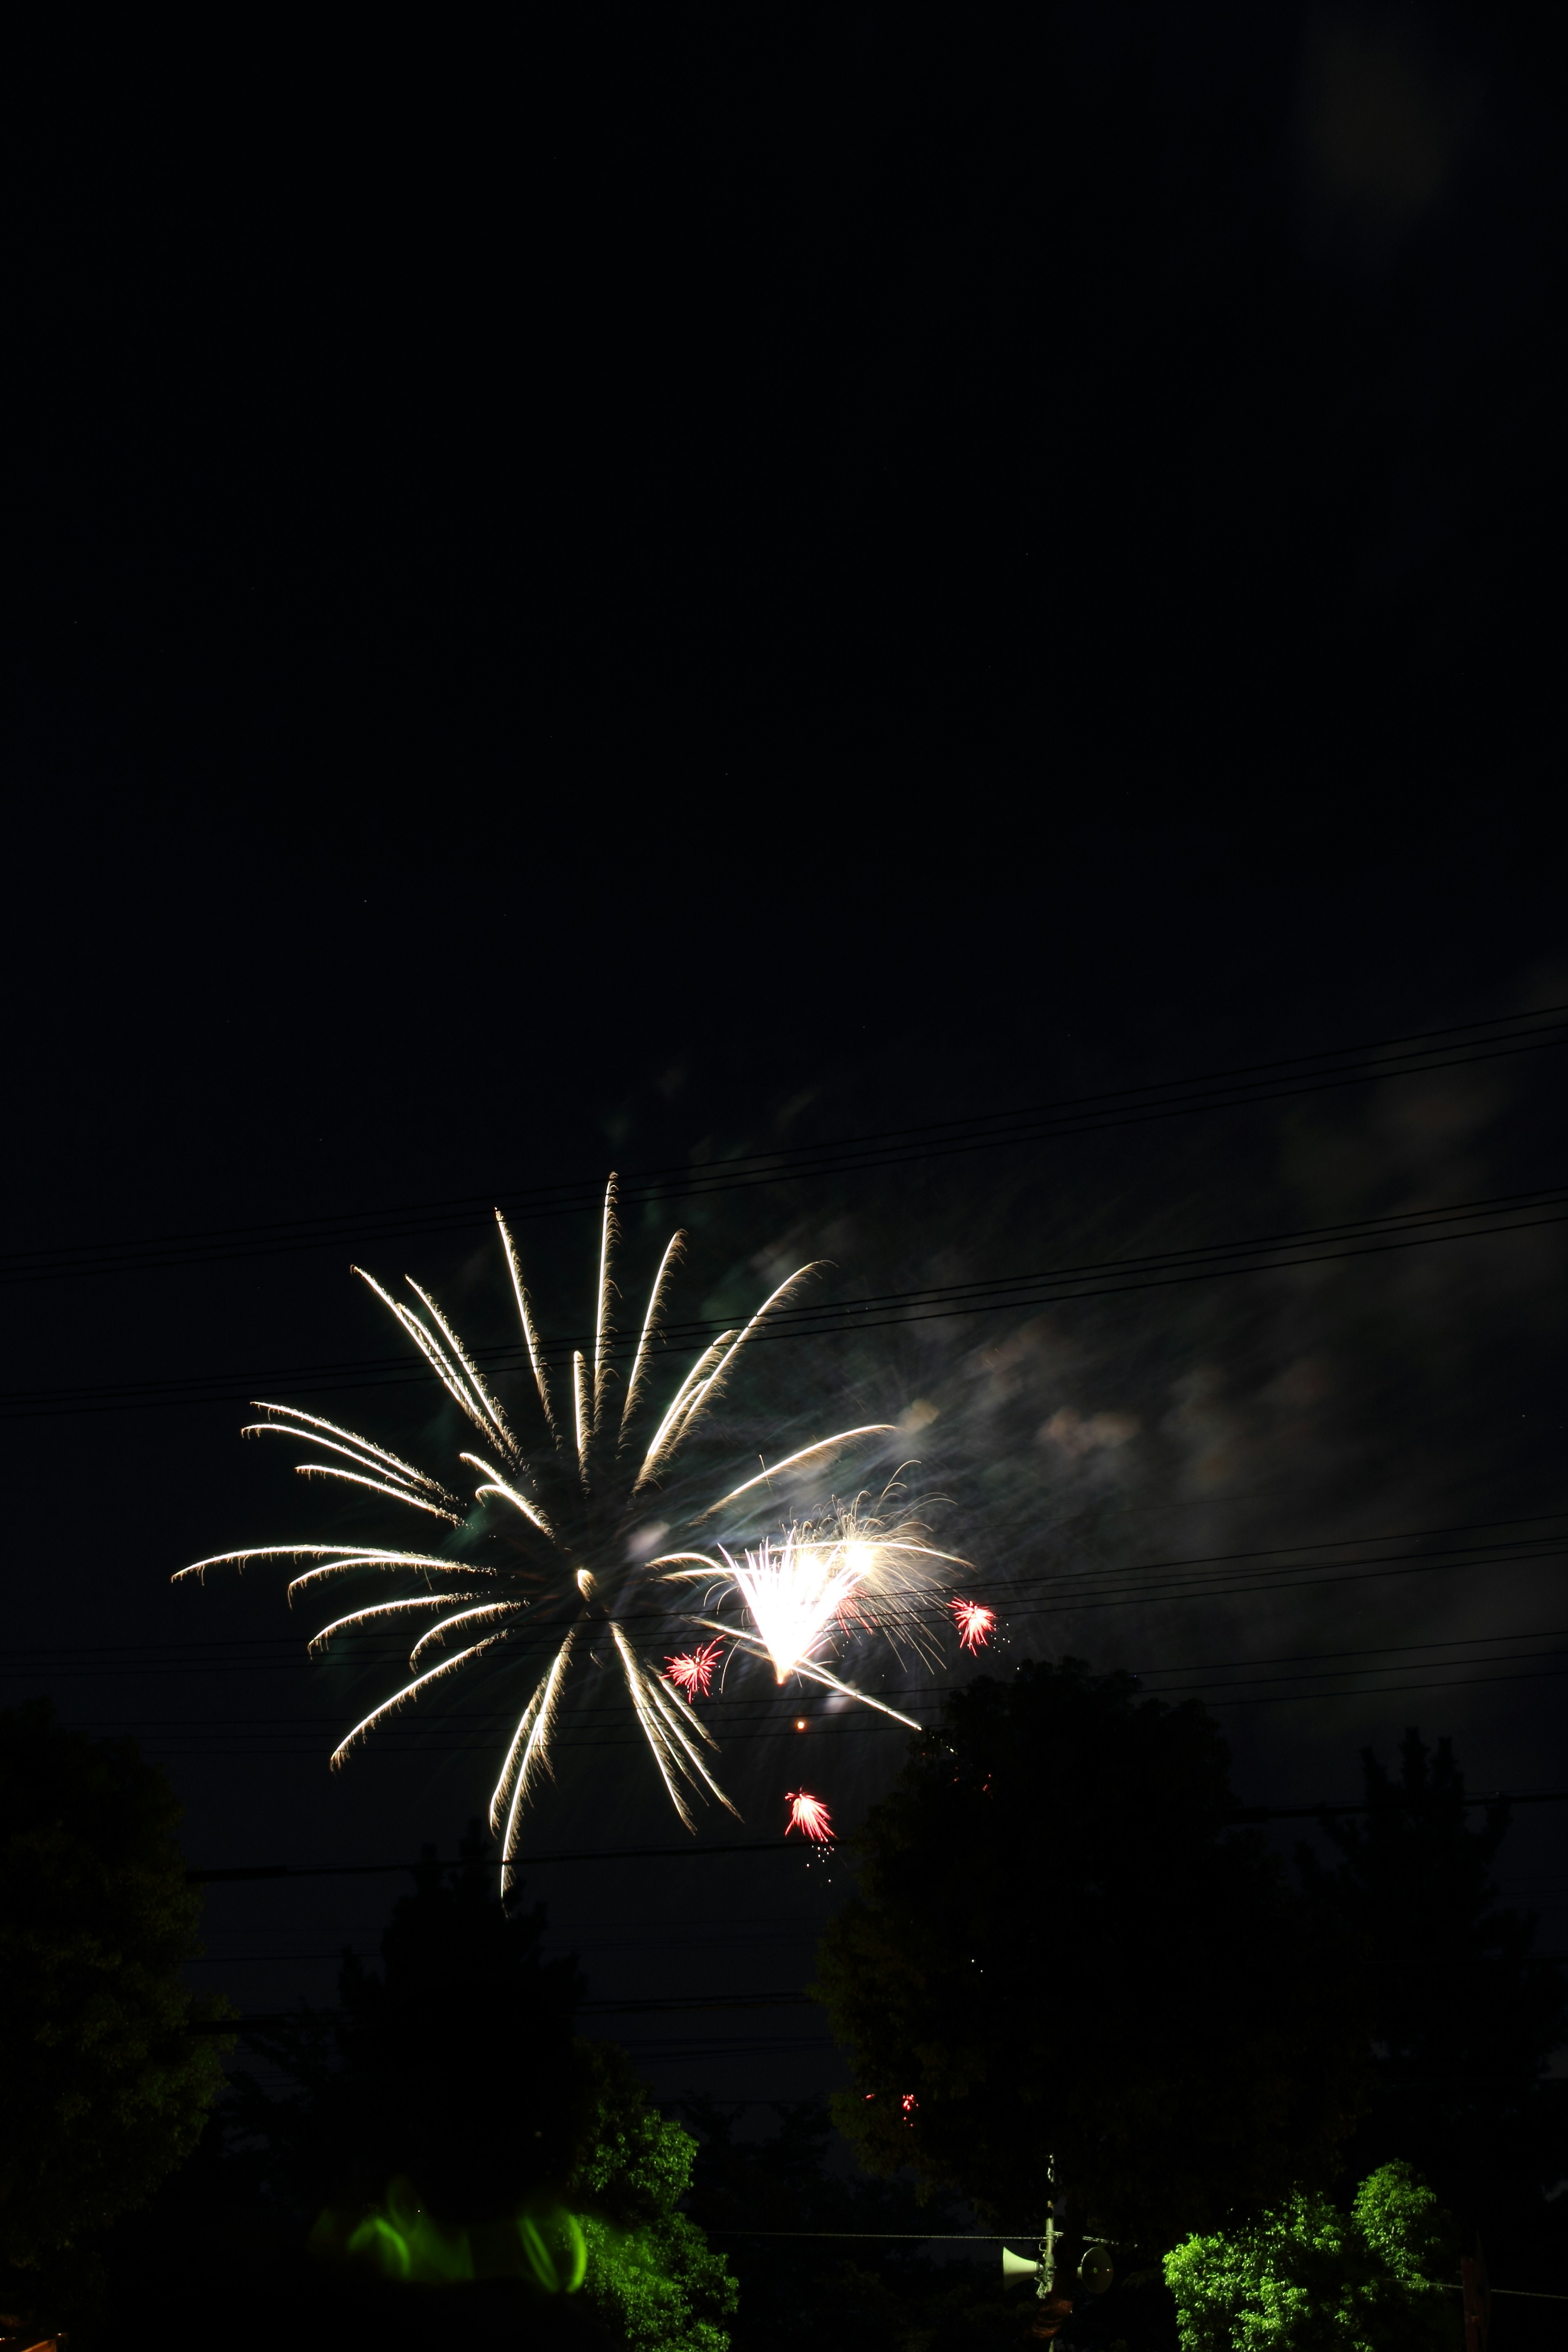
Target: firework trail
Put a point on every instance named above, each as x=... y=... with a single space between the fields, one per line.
x=569 y=1490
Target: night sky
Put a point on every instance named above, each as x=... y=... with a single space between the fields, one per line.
x=682 y=590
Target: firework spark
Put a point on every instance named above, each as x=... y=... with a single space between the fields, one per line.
x=976 y=1623
x=819 y=1586
x=693 y=1670
x=809 y=1815
x=548 y=1574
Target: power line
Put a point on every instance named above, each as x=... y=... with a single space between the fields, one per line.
x=736 y=1726
x=1394 y=1803
x=1102 y=1278
x=1362 y=1064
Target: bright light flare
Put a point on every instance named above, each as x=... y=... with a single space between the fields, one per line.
x=693 y=1671
x=851 y=1574
x=809 y=1815
x=795 y=1591
x=976 y=1623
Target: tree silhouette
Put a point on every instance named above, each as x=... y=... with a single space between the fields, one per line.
x=452 y=2079
x=105 y=2091
x=1464 y=2019
x=1061 y=1949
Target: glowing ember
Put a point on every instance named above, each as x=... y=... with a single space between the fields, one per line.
x=909 y=2102
x=693 y=1670
x=808 y=1814
x=976 y=1623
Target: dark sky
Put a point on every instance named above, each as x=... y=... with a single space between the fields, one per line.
x=666 y=591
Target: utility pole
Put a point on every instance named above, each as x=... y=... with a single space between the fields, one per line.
x=1046 y=2284
x=1478 y=2300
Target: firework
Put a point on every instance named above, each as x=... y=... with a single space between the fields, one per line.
x=566 y=1490
x=819 y=1586
x=693 y=1670
x=809 y=1815
x=976 y=1623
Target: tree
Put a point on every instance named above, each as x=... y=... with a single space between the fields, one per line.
x=451 y=2085
x=1464 y=2019
x=453 y=2064
x=651 y=2269
x=1308 y=2276
x=105 y=2089
x=1061 y=1949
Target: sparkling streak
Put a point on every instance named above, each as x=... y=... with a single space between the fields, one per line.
x=384 y=1609
x=434 y=1355
x=668 y=1433
x=363 y=1460
x=528 y=1755
x=377 y=1487
x=496 y=1485
x=448 y=1666
x=487 y=1608
x=342 y=1555
x=871 y=1429
x=653 y=1730
x=809 y=1815
x=607 y=1238
x=391 y=1560
x=711 y=1386
x=471 y=1372
x=821 y=1675
x=580 y=1406
x=684 y=1724
x=656 y=1299
x=526 y=1319
x=818 y=1674
x=393 y=1462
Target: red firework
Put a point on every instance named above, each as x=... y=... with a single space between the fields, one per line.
x=693 y=1670
x=808 y=1814
x=976 y=1623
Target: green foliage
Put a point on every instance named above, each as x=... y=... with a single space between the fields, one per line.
x=105 y=2091
x=1060 y=1948
x=1309 y=2276
x=663 y=2284
x=649 y=2268
x=1464 y=2019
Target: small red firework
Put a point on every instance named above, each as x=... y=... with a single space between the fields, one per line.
x=909 y=2102
x=808 y=1814
x=693 y=1670
x=974 y=1623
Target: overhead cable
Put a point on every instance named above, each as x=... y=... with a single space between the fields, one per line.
x=1101 y=1278
x=1362 y=1064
